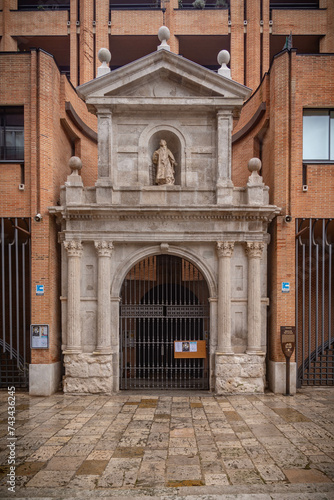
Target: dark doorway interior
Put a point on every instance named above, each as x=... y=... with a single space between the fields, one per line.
x=164 y=300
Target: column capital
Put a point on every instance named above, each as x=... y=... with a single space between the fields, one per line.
x=104 y=248
x=74 y=248
x=225 y=248
x=223 y=113
x=254 y=249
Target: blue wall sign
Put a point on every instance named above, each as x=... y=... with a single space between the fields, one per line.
x=285 y=286
x=39 y=289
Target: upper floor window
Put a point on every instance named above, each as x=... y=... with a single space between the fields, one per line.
x=43 y=5
x=11 y=133
x=294 y=4
x=318 y=135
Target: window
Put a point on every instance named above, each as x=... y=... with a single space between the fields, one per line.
x=318 y=135
x=11 y=133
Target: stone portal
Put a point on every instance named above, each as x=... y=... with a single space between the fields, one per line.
x=164 y=192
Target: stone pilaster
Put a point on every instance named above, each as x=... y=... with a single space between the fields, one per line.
x=74 y=253
x=104 y=131
x=224 y=161
x=105 y=179
x=254 y=252
x=225 y=251
x=104 y=250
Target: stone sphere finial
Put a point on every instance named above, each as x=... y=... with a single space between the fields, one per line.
x=254 y=165
x=163 y=34
x=223 y=57
x=104 y=56
x=75 y=164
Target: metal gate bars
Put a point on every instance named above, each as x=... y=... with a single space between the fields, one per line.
x=314 y=305
x=164 y=299
x=15 y=301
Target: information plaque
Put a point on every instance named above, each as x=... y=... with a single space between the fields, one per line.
x=288 y=342
x=190 y=349
x=39 y=336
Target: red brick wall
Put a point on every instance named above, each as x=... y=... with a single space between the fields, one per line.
x=180 y=22
x=33 y=80
x=294 y=82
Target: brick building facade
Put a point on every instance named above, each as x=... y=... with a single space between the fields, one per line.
x=291 y=88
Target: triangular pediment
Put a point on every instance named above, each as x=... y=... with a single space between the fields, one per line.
x=164 y=75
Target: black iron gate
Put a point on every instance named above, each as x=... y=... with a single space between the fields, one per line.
x=314 y=304
x=164 y=299
x=15 y=301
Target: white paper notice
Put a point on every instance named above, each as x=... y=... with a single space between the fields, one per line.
x=193 y=346
x=178 y=346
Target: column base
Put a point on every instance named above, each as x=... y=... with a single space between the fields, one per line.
x=240 y=373
x=102 y=350
x=73 y=350
x=255 y=352
x=87 y=373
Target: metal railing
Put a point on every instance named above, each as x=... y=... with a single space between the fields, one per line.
x=40 y=5
x=14 y=300
x=164 y=300
x=154 y=4
x=287 y=5
x=314 y=307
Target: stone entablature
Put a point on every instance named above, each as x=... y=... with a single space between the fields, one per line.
x=198 y=215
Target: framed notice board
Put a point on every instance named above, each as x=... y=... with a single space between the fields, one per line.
x=189 y=349
x=39 y=336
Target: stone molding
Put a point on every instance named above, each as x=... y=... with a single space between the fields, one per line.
x=254 y=249
x=74 y=248
x=104 y=248
x=225 y=248
x=172 y=217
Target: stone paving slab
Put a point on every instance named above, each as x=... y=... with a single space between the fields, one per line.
x=170 y=445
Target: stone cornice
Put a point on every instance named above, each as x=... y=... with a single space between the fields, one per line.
x=185 y=214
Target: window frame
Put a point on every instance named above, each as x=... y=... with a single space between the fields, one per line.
x=5 y=111
x=330 y=147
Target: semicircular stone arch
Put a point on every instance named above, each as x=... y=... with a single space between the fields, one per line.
x=136 y=257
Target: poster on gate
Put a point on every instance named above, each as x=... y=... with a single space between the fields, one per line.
x=189 y=349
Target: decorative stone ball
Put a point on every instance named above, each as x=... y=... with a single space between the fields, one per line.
x=75 y=163
x=104 y=55
x=254 y=165
x=163 y=33
x=223 y=57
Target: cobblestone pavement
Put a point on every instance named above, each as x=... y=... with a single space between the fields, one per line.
x=170 y=445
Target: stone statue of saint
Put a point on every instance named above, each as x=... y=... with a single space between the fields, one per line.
x=165 y=162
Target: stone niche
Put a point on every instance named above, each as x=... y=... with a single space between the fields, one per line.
x=126 y=217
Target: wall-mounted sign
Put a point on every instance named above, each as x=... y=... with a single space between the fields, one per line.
x=288 y=340
x=39 y=289
x=39 y=336
x=285 y=286
x=190 y=349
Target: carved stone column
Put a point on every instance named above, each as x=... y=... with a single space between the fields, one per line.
x=225 y=251
x=104 y=250
x=254 y=251
x=74 y=253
